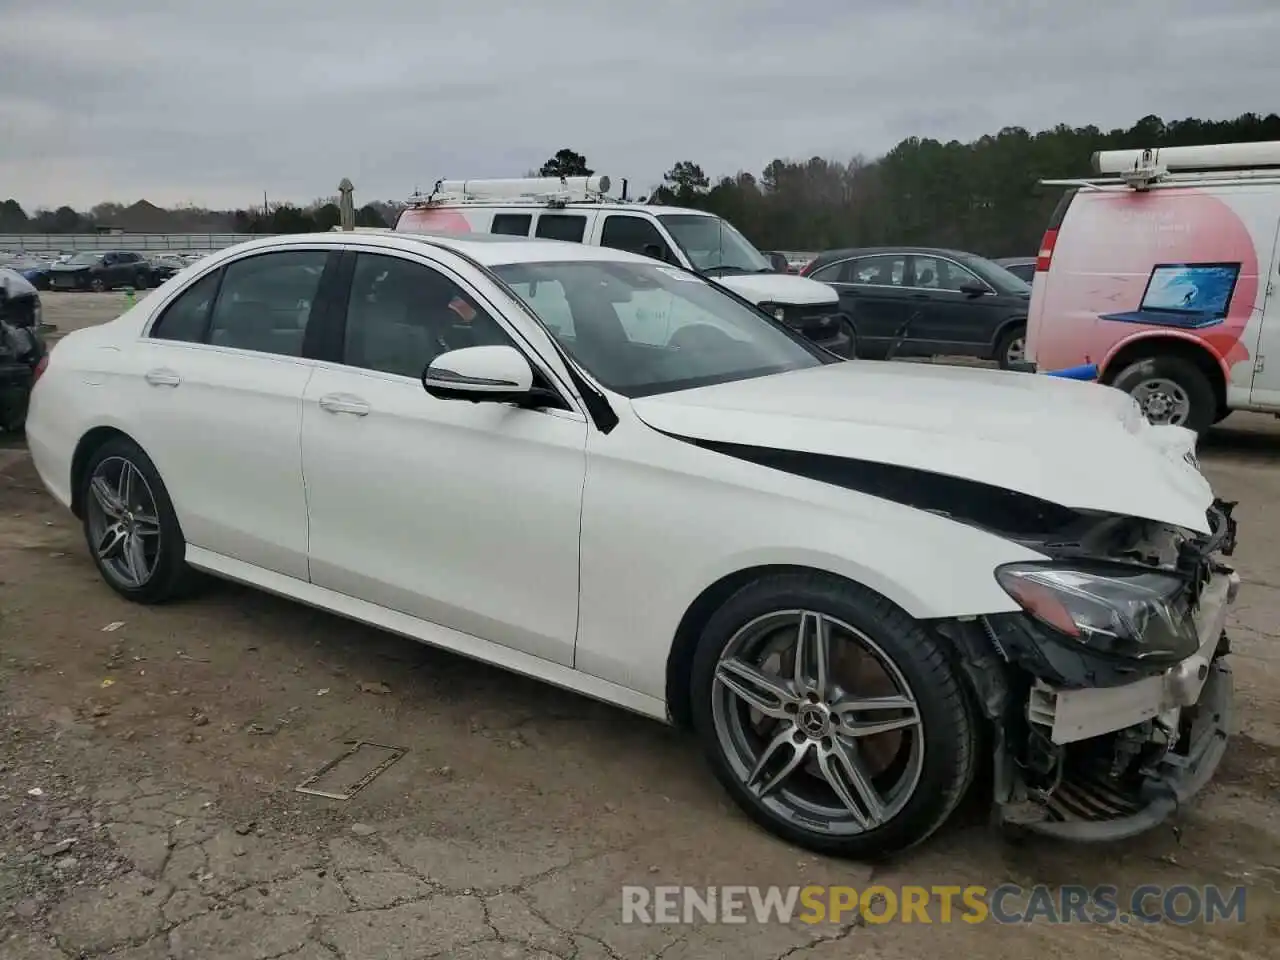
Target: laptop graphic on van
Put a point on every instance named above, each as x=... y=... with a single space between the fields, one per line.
x=1188 y=296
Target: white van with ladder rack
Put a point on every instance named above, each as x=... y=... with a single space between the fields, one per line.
x=580 y=210
x=1162 y=272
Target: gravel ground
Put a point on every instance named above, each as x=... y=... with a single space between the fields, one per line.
x=147 y=775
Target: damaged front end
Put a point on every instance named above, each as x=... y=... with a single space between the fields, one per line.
x=1109 y=693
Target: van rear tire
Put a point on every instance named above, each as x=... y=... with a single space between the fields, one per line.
x=1171 y=390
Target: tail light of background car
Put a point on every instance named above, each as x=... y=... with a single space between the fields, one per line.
x=41 y=366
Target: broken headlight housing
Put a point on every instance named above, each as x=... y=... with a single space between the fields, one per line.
x=1116 y=610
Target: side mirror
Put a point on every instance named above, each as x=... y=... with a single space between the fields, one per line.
x=972 y=289
x=498 y=374
x=655 y=251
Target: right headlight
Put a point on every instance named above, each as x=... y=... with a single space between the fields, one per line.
x=1120 y=611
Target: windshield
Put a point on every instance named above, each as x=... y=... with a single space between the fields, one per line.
x=996 y=275
x=713 y=246
x=642 y=329
x=82 y=259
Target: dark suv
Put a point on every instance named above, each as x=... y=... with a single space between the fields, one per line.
x=100 y=270
x=930 y=302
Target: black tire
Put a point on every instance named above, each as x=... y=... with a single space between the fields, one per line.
x=949 y=724
x=98 y=285
x=171 y=578
x=1007 y=340
x=141 y=282
x=1182 y=372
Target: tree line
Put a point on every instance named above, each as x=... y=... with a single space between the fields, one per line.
x=983 y=196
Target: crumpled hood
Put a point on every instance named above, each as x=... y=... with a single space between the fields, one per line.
x=783 y=289
x=1079 y=445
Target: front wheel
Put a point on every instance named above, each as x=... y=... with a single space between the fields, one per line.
x=832 y=717
x=1171 y=390
x=98 y=285
x=130 y=525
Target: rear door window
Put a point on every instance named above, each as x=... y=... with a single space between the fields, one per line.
x=265 y=302
x=186 y=317
x=884 y=270
x=512 y=224
x=562 y=226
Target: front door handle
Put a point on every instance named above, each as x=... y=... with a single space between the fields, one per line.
x=163 y=378
x=344 y=403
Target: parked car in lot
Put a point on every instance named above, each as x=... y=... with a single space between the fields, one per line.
x=21 y=348
x=35 y=272
x=922 y=301
x=101 y=270
x=19 y=300
x=163 y=267
x=857 y=583
x=1024 y=268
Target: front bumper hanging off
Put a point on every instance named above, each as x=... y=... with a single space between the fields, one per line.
x=1107 y=758
x=1086 y=803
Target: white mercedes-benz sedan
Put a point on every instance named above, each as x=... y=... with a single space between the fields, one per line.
x=855 y=582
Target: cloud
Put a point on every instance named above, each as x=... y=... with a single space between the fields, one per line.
x=215 y=103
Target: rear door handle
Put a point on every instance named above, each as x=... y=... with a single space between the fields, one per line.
x=921 y=296
x=344 y=403
x=163 y=378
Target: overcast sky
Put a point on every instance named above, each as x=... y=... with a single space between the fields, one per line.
x=213 y=103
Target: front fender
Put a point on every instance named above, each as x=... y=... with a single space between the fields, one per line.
x=663 y=520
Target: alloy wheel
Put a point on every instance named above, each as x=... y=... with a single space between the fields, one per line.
x=124 y=524
x=817 y=722
x=1016 y=352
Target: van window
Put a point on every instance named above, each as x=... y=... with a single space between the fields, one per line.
x=630 y=233
x=512 y=224
x=562 y=226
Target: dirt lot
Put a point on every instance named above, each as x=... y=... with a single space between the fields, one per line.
x=147 y=775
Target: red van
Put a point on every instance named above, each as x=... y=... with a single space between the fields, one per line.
x=1162 y=272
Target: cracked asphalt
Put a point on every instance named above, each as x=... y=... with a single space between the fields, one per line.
x=147 y=776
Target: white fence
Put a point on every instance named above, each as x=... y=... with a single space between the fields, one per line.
x=41 y=243
x=47 y=243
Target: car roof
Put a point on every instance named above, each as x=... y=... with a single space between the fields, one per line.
x=1014 y=261
x=485 y=248
x=849 y=252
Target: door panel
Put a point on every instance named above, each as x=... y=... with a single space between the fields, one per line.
x=218 y=383
x=463 y=514
x=872 y=295
x=222 y=427
x=951 y=321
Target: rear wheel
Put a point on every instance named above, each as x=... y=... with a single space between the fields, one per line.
x=832 y=717
x=1170 y=390
x=1012 y=347
x=130 y=525
x=141 y=282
